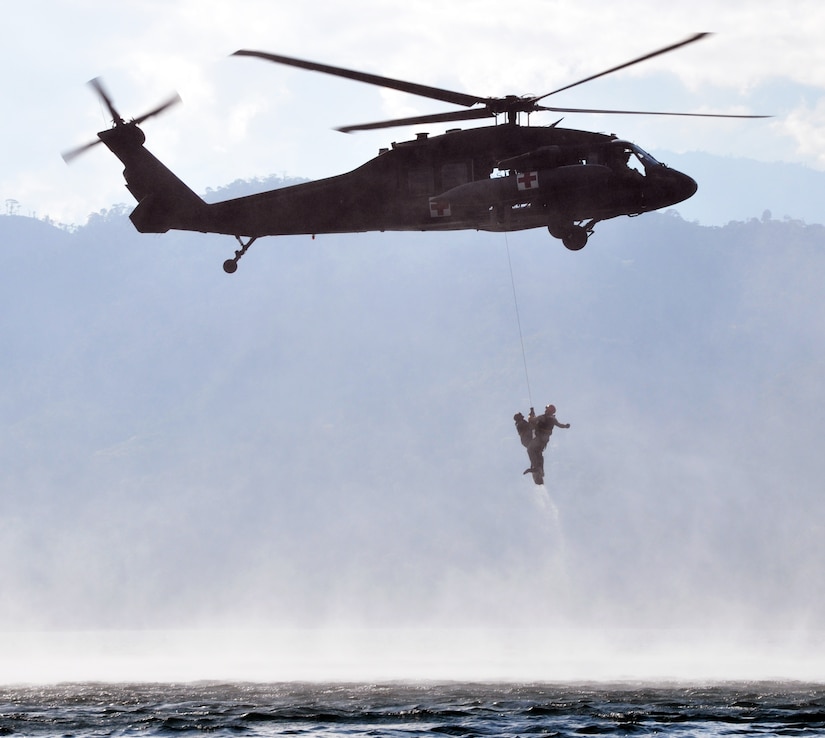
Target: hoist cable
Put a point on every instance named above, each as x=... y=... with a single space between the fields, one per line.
x=518 y=320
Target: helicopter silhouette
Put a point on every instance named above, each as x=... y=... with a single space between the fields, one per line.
x=502 y=177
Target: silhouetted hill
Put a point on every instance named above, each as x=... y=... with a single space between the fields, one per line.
x=327 y=434
x=243 y=187
x=30 y=232
x=733 y=189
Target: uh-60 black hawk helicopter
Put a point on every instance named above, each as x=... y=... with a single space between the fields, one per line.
x=503 y=177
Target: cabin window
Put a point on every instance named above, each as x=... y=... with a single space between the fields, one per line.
x=420 y=180
x=454 y=174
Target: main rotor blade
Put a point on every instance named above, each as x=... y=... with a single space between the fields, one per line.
x=70 y=155
x=645 y=112
x=435 y=93
x=98 y=87
x=173 y=100
x=434 y=118
x=651 y=55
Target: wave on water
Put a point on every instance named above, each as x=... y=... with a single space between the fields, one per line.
x=354 y=710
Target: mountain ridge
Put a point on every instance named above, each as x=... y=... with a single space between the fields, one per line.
x=326 y=435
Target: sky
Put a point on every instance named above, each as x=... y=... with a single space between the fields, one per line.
x=244 y=118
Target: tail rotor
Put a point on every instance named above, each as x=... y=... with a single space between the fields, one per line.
x=117 y=120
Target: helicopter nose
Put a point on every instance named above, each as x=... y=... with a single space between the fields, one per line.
x=680 y=186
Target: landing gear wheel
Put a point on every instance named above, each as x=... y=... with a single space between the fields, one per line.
x=558 y=230
x=230 y=266
x=575 y=239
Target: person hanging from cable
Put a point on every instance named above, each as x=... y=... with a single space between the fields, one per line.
x=526 y=434
x=524 y=429
x=534 y=433
x=542 y=430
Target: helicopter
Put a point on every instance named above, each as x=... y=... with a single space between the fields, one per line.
x=501 y=177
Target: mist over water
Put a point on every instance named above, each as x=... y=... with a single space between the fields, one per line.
x=309 y=470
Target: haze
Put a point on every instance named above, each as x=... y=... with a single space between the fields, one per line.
x=325 y=440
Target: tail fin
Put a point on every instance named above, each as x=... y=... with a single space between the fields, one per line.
x=164 y=201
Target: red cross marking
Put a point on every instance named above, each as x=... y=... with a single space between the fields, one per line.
x=527 y=180
x=439 y=208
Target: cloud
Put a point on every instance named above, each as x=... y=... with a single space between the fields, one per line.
x=806 y=124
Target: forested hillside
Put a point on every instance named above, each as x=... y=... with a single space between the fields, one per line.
x=326 y=436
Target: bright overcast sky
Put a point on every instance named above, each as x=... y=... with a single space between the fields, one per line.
x=243 y=118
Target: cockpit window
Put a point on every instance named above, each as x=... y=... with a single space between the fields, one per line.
x=644 y=157
x=627 y=158
x=634 y=162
